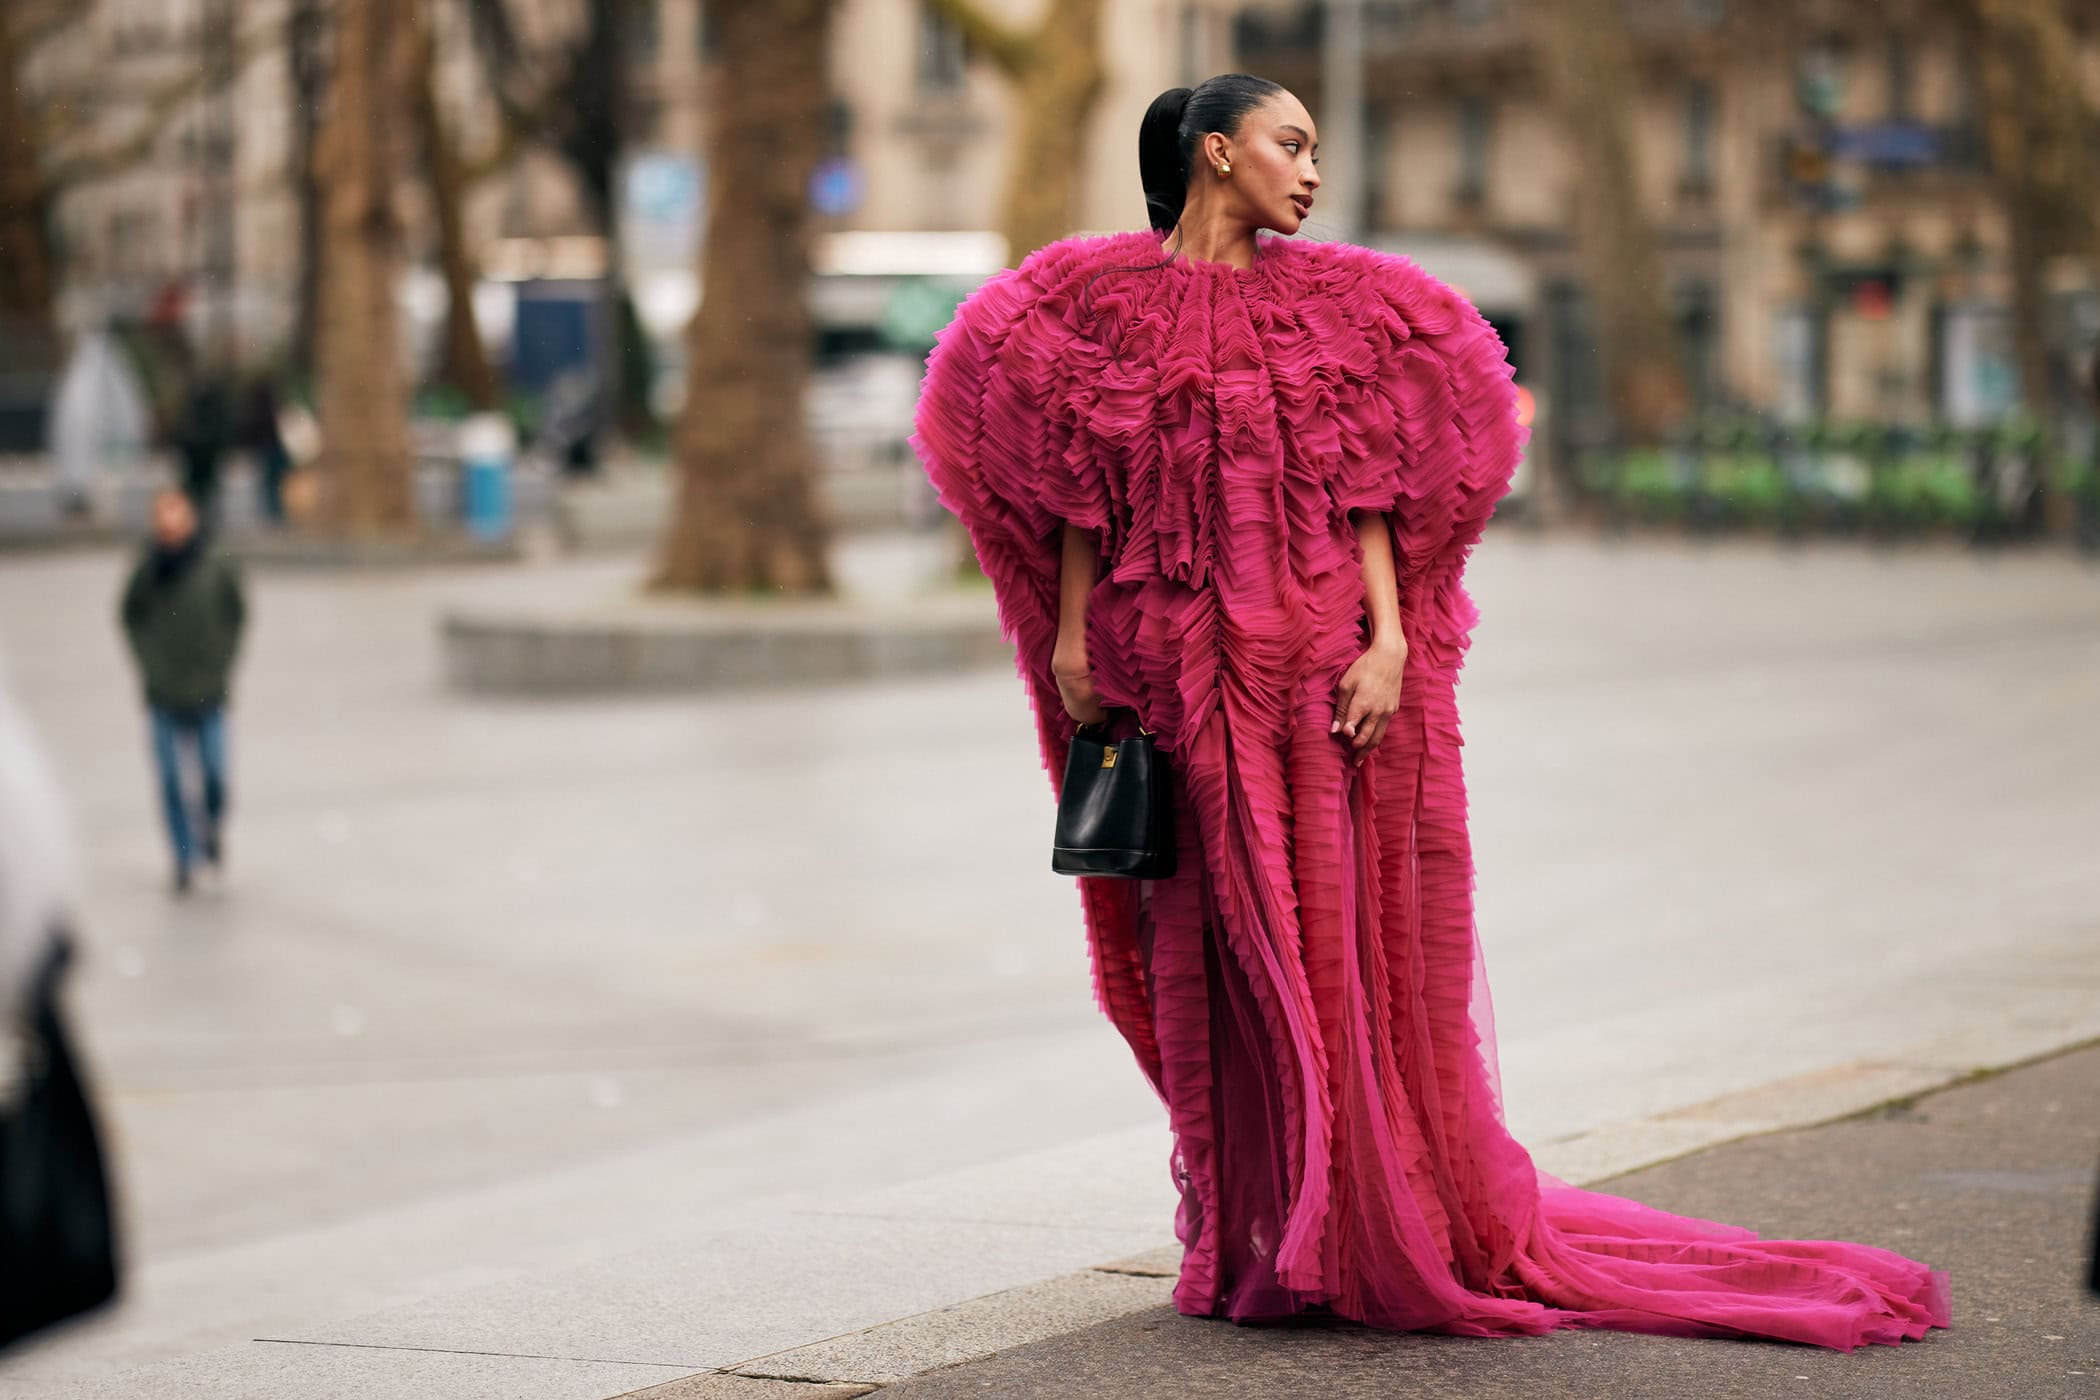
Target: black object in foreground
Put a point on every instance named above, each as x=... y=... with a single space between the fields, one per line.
x=57 y=1235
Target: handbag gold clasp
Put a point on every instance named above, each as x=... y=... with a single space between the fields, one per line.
x=1108 y=756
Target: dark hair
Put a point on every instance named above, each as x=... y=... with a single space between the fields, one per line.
x=1175 y=121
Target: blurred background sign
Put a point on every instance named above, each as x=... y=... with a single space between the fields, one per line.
x=664 y=208
x=917 y=309
x=836 y=186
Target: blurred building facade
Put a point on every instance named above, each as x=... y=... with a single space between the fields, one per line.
x=193 y=116
x=1830 y=235
x=183 y=209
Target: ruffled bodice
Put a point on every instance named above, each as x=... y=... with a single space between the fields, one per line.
x=1183 y=411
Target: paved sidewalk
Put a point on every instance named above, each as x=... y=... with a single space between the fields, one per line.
x=520 y=1058
x=1992 y=1179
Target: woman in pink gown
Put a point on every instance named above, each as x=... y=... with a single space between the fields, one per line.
x=1231 y=483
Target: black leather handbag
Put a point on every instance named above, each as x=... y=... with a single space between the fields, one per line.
x=1113 y=813
x=57 y=1232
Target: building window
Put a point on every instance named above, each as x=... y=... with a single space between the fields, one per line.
x=1800 y=346
x=644 y=30
x=943 y=58
x=838 y=126
x=1699 y=341
x=1819 y=80
x=1573 y=372
x=1976 y=377
x=138 y=239
x=1378 y=201
x=1900 y=83
x=1387 y=22
x=1194 y=58
x=1267 y=33
x=1699 y=138
x=136 y=26
x=646 y=116
x=1476 y=139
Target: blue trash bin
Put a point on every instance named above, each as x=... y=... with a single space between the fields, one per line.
x=487 y=450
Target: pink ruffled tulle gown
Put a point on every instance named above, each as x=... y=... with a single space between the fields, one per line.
x=1306 y=994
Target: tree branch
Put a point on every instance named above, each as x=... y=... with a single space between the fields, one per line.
x=495 y=160
x=70 y=172
x=525 y=106
x=537 y=112
x=34 y=21
x=1008 y=48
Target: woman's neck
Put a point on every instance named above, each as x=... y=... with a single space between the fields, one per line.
x=1215 y=239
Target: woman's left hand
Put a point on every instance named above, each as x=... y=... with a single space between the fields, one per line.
x=1367 y=696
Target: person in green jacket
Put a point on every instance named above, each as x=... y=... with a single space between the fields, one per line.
x=183 y=611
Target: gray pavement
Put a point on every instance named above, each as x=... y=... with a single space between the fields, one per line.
x=1991 y=1180
x=661 y=1033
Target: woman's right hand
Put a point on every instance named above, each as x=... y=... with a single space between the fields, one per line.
x=1075 y=686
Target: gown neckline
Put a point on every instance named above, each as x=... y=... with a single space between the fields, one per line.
x=1263 y=259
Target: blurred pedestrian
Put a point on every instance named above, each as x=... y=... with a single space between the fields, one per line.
x=264 y=437
x=570 y=423
x=183 y=610
x=201 y=439
x=57 y=1232
x=99 y=418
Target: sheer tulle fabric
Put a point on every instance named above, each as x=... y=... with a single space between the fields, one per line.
x=1307 y=994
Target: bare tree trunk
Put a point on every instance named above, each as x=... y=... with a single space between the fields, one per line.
x=305 y=32
x=1057 y=75
x=466 y=366
x=26 y=275
x=2038 y=127
x=747 y=514
x=1056 y=94
x=2026 y=263
x=1584 y=54
x=363 y=392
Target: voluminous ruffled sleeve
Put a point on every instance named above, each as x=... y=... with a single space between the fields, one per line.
x=996 y=428
x=1445 y=387
x=999 y=428
x=1434 y=439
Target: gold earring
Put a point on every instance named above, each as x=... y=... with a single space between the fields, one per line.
x=1225 y=167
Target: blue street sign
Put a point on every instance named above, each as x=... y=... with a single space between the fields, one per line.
x=836 y=186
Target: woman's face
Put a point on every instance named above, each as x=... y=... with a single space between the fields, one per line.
x=1274 y=172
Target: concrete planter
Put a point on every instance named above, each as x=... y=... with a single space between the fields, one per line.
x=653 y=646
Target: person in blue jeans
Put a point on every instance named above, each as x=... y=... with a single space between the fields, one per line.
x=184 y=609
